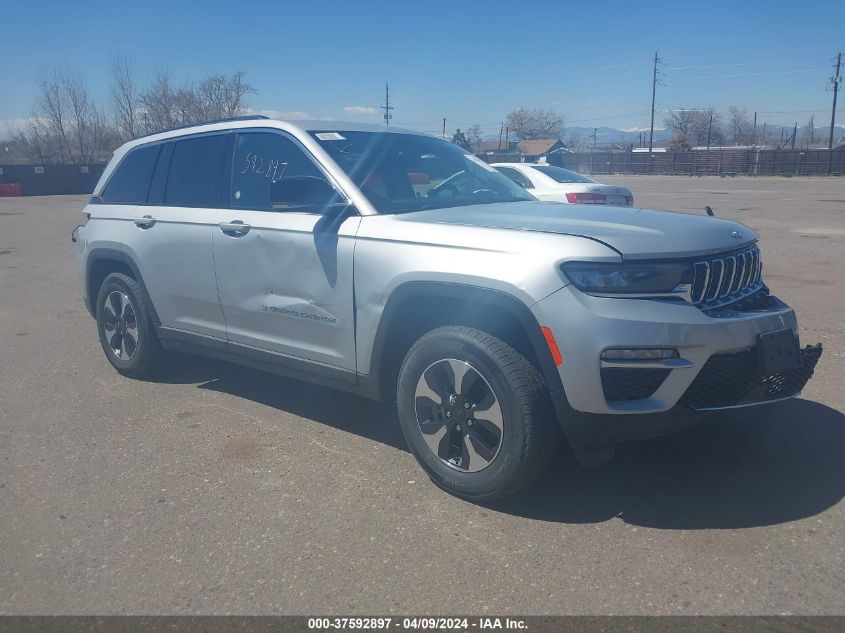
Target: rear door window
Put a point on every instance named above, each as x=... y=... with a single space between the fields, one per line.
x=131 y=178
x=199 y=170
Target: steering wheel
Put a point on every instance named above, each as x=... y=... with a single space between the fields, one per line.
x=480 y=191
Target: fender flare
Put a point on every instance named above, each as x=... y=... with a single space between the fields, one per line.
x=116 y=255
x=480 y=295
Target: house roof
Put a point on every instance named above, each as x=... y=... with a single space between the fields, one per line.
x=537 y=146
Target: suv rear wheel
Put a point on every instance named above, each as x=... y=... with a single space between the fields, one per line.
x=475 y=413
x=125 y=327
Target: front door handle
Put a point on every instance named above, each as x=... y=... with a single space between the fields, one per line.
x=235 y=228
x=144 y=222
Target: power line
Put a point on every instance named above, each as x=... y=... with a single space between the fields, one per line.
x=728 y=53
x=783 y=61
x=783 y=72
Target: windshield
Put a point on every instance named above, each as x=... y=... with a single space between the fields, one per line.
x=401 y=173
x=562 y=175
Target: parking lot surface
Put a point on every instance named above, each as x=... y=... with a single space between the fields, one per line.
x=217 y=489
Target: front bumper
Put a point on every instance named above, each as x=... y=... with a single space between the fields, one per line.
x=584 y=326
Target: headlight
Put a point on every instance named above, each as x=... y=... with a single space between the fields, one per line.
x=629 y=278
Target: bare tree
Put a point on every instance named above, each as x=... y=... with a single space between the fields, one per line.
x=125 y=99
x=693 y=127
x=213 y=97
x=475 y=137
x=810 y=132
x=528 y=124
x=158 y=103
x=740 y=125
x=65 y=125
x=49 y=117
x=84 y=118
x=223 y=96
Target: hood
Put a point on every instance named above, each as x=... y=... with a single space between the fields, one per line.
x=635 y=233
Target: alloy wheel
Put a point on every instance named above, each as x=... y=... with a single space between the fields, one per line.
x=459 y=415
x=120 y=325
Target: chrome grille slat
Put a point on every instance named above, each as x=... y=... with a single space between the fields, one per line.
x=751 y=259
x=717 y=271
x=741 y=272
x=728 y=277
x=701 y=271
x=755 y=265
x=724 y=278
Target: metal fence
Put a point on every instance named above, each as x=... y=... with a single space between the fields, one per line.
x=45 y=180
x=714 y=162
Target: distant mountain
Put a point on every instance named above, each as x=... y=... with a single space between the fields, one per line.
x=610 y=135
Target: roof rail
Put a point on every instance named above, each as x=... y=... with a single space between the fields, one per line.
x=246 y=117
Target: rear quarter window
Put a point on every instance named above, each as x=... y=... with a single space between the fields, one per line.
x=131 y=178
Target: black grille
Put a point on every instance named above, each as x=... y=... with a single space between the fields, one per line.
x=759 y=301
x=733 y=379
x=622 y=383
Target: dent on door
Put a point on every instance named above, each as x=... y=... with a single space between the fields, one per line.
x=287 y=286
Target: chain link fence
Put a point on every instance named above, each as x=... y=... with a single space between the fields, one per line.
x=713 y=162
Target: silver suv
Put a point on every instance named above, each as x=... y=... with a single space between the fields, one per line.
x=395 y=265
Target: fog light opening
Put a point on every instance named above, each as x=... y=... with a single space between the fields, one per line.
x=639 y=354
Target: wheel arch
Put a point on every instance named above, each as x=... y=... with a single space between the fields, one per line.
x=416 y=307
x=100 y=264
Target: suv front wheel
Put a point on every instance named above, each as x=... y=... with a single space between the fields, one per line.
x=125 y=327
x=475 y=413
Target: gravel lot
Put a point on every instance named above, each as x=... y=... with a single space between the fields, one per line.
x=222 y=490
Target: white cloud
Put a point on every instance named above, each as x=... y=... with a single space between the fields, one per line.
x=641 y=129
x=360 y=110
x=287 y=115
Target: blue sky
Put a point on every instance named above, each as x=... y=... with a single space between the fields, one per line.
x=470 y=62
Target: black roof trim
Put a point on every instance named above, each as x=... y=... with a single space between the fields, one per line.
x=247 y=117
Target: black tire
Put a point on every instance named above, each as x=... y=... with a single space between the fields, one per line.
x=141 y=358
x=527 y=439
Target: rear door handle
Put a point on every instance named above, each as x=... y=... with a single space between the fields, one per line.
x=235 y=228
x=145 y=222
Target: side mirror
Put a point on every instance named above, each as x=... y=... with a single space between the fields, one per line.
x=303 y=191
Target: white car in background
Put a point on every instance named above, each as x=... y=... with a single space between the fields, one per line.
x=556 y=184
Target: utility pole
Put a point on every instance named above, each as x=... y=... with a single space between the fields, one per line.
x=501 y=131
x=595 y=131
x=835 y=80
x=754 y=133
x=387 y=107
x=709 y=129
x=444 y=127
x=764 y=134
x=507 y=147
x=794 y=134
x=653 y=94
